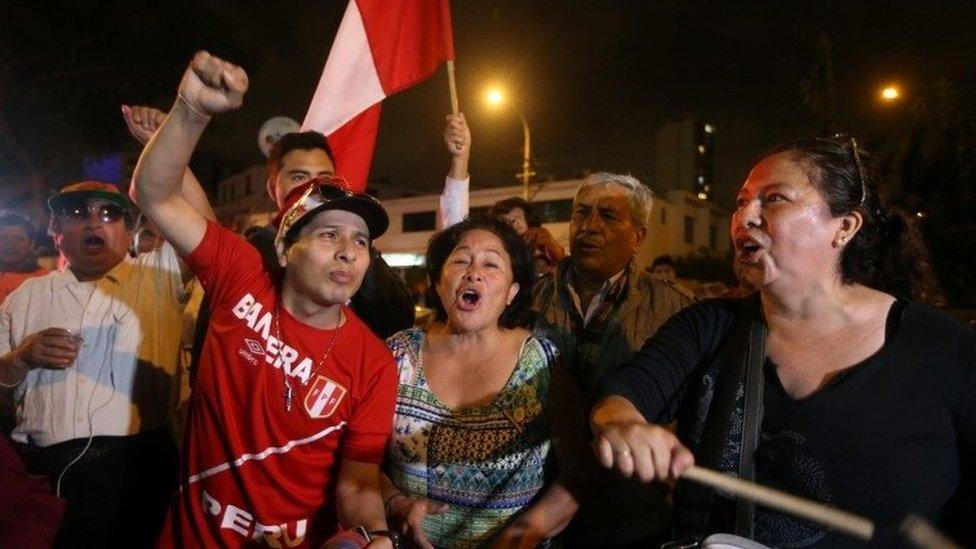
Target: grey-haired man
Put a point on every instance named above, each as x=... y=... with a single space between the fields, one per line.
x=599 y=307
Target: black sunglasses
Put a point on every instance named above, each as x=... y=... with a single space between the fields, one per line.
x=106 y=213
x=335 y=186
x=850 y=142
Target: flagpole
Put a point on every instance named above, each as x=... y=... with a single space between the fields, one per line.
x=453 y=86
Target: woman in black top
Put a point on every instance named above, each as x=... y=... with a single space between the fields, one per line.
x=865 y=401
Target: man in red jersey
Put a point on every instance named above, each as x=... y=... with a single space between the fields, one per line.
x=294 y=398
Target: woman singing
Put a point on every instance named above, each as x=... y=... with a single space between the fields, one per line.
x=834 y=382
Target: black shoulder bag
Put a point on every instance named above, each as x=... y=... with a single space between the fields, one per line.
x=742 y=358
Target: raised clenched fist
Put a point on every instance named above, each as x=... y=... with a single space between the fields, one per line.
x=457 y=136
x=211 y=85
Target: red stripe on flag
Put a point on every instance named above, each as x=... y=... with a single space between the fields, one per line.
x=408 y=39
x=352 y=147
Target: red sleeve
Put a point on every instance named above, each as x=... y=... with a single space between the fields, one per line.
x=372 y=419
x=225 y=263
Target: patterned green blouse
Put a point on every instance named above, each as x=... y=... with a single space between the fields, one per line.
x=486 y=463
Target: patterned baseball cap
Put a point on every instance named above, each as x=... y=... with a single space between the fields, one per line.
x=328 y=193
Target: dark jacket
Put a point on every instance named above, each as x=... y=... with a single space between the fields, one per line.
x=613 y=509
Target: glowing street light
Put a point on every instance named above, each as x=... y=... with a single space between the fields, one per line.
x=495 y=98
x=890 y=94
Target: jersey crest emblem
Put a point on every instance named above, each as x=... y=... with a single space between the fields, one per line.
x=323 y=397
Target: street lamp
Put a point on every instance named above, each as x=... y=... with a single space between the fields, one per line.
x=890 y=94
x=495 y=98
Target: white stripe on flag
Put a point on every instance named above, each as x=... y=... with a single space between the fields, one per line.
x=349 y=83
x=262 y=455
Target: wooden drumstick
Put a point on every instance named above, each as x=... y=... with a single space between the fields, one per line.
x=919 y=532
x=833 y=518
x=923 y=534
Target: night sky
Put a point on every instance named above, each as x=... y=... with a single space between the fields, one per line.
x=595 y=79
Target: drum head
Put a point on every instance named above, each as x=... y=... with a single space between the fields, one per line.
x=729 y=541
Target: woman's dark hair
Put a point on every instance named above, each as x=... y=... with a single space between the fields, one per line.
x=887 y=253
x=443 y=243
x=504 y=207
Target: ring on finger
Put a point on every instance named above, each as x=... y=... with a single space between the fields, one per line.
x=622 y=453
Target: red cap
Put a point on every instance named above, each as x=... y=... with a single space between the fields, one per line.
x=320 y=194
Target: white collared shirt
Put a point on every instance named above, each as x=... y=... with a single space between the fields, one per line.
x=600 y=296
x=122 y=381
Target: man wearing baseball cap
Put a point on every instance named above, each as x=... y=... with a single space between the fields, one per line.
x=294 y=396
x=383 y=301
x=90 y=354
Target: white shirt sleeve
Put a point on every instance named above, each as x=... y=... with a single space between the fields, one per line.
x=454 y=202
x=6 y=336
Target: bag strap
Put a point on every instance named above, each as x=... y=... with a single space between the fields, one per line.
x=693 y=502
x=751 y=421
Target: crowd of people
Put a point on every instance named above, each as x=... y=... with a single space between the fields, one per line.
x=553 y=399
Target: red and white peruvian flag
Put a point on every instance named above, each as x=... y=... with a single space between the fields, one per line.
x=382 y=47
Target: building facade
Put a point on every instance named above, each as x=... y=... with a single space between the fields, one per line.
x=684 y=157
x=681 y=223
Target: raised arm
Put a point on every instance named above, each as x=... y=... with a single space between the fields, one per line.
x=143 y=122
x=209 y=86
x=457 y=137
x=454 y=200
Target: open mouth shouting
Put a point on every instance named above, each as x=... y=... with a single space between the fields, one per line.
x=748 y=249
x=93 y=244
x=468 y=299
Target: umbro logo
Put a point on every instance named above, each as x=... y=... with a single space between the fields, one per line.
x=254 y=346
x=276 y=353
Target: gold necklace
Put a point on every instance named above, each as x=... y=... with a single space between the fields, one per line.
x=289 y=392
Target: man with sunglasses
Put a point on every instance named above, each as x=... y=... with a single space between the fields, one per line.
x=90 y=353
x=294 y=396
